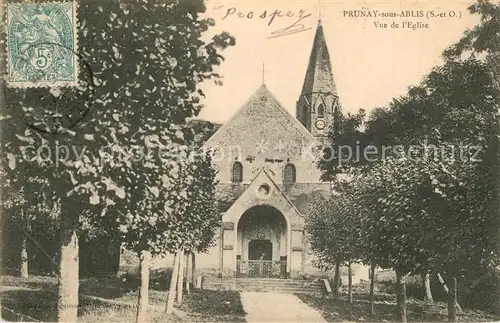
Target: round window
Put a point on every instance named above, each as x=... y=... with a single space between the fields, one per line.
x=264 y=190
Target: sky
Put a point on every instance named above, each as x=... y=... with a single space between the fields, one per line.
x=371 y=65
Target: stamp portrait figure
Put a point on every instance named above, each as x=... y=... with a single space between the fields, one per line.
x=42 y=44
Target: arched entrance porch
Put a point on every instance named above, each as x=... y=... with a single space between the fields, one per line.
x=265 y=197
x=262 y=242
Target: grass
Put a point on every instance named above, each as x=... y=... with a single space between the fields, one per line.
x=35 y=298
x=214 y=306
x=339 y=310
x=38 y=304
x=111 y=300
x=96 y=311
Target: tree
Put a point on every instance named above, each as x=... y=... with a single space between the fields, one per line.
x=436 y=191
x=318 y=224
x=426 y=285
x=429 y=184
x=482 y=38
x=335 y=235
x=444 y=186
x=200 y=218
x=26 y=203
x=138 y=81
x=345 y=139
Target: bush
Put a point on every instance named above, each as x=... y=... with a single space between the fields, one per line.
x=386 y=286
x=414 y=287
x=473 y=291
x=485 y=295
x=159 y=279
x=385 y=275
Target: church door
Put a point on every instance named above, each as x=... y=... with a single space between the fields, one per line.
x=260 y=250
x=260 y=256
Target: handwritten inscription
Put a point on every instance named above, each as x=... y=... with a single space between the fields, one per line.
x=271 y=17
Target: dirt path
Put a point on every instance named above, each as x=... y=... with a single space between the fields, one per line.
x=277 y=307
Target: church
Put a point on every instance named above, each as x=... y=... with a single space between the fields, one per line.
x=268 y=175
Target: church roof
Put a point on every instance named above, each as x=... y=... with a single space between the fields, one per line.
x=319 y=76
x=262 y=118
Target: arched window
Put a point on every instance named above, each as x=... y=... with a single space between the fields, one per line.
x=237 y=172
x=321 y=110
x=289 y=174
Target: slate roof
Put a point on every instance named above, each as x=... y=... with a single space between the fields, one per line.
x=319 y=76
x=262 y=117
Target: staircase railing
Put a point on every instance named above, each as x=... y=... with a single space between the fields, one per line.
x=261 y=268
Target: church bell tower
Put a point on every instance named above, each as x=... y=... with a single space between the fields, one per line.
x=318 y=107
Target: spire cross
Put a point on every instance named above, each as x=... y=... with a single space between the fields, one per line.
x=263 y=71
x=319 y=12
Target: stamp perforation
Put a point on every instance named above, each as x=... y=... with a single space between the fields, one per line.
x=75 y=61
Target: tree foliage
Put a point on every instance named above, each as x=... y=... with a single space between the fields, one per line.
x=124 y=127
x=141 y=65
x=430 y=199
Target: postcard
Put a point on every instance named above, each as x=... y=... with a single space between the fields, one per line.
x=250 y=161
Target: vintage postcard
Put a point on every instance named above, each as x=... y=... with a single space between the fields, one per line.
x=250 y=161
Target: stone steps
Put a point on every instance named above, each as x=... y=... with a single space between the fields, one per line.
x=264 y=285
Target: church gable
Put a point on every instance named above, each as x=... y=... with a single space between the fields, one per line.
x=264 y=191
x=262 y=128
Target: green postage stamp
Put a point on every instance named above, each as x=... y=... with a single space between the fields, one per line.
x=42 y=44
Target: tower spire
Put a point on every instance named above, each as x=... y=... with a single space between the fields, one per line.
x=319 y=77
x=318 y=102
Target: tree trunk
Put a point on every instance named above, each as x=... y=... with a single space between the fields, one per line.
x=67 y=305
x=188 y=273
x=372 y=290
x=143 y=299
x=54 y=263
x=349 y=287
x=24 y=257
x=173 y=284
x=426 y=281
x=24 y=247
x=193 y=269
x=336 y=278
x=221 y=252
x=441 y=280
x=452 y=300
x=115 y=253
x=180 y=285
x=401 y=296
